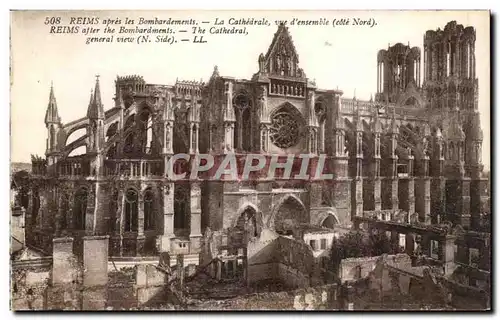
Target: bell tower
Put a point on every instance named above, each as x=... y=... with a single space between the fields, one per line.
x=397 y=67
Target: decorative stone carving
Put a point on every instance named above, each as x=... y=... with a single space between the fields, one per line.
x=284 y=131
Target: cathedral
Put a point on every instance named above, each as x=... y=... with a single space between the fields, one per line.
x=412 y=151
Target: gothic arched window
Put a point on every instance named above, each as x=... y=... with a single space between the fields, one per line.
x=80 y=210
x=243 y=125
x=131 y=210
x=149 y=216
x=181 y=207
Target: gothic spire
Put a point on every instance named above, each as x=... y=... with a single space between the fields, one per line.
x=91 y=97
x=52 y=115
x=96 y=110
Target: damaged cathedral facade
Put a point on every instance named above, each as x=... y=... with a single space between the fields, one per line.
x=411 y=153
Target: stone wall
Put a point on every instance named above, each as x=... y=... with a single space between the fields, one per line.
x=260 y=256
x=394 y=283
x=357 y=268
x=313 y=298
x=29 y=283
x=287 y=260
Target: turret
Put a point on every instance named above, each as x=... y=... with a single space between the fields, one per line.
x=95 y=113
x=52 y=123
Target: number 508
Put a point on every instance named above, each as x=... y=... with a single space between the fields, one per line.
x=52 y=20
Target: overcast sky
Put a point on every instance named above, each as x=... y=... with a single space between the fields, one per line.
x=348 y=61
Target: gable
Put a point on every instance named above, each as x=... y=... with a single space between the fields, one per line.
x=281 y=58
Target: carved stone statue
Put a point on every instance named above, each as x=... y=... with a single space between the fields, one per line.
x=263 y=101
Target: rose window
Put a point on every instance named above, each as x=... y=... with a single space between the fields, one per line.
x=284 y=131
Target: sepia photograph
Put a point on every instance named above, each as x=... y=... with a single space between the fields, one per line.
x=281 y=160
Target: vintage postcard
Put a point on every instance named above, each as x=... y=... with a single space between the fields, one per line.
x=250 y=160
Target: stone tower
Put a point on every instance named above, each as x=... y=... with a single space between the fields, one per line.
x=397 y=67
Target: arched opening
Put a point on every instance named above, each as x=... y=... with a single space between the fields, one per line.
x=181 y=207
x=243 y=126
x=75 y=135
x=180 y=142
x=247 y=223
x=329 y=222
x=112 y=130
x=146 y=131
x=78 y=151
x=290 y=213
x=131 y=210
x=149 y=212
x=80 y=209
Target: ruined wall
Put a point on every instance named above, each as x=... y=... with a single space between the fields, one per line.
x=287 y=260
x=296 y=264
x=261 y=257
x=357 y=268
x=29 y=282
x=17 y=224
x=150 y=284
x=395 y=281
x=312 y=298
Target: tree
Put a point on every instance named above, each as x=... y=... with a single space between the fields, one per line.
x=21 y=183
x=356 y=244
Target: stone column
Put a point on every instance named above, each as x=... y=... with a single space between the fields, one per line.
x=95 y=275
x=423 y=199
x=139 y=249
x=464 y=202
x=168 y=217
x=447 y=253
x=195 y=225
x=357 y=194
x=117 y=239
x=63 y=268
x=264 y=137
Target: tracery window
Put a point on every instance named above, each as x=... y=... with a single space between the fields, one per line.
x=181 y=207
x=149 y=217
x=80 y=209
x=131 y=210
x=243 y=125
x=284 y=131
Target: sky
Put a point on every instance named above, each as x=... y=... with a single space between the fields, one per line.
x=348 y=61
